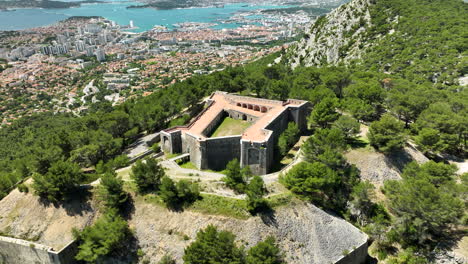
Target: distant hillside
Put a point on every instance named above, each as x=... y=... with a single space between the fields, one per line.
x=421 y=40
x=170 y=4
x=41 y=4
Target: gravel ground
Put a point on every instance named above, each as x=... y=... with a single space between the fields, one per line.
x=24 y=216
x=306 y=234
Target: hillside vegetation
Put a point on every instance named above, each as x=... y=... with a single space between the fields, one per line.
x=395 y=66
x=420 y=40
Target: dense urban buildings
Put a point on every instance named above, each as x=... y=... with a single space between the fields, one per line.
x=49 y=68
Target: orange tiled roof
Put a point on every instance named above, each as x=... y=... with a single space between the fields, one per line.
x=221 y=102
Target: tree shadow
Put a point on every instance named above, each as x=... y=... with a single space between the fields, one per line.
x=128 y=208
x=356 y=143
x=446 y=241
x=267 y=214
x=180 y=205
x=371 y=260
x=77 y=203
x=127 y=254
x=398 y=159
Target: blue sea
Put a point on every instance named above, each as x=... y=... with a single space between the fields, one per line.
x=143 y=18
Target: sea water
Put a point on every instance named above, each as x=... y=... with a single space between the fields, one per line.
x=143 y=18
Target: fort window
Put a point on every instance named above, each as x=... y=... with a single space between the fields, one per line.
x=244 y=105
x=264 y=109
x=257 y=108
x=250 y=106
x=239 y=104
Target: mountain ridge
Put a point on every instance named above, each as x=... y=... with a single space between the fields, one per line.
x=422 y=41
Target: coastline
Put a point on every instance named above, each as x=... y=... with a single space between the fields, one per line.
x=116 y=12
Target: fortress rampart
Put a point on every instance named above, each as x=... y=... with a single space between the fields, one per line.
x=254 y=147
x=18 y=251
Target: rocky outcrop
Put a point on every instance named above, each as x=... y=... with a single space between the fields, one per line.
x=306 y=234
x=24 y=216
x=377 y=167
x=337 y=37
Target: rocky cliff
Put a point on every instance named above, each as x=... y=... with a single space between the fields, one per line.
x=337 y=37
x=305 y=233
x=418 y=40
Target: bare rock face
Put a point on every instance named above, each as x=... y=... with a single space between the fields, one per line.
x=447 y=257
x=377 y=167
x=24 y=216
x=306 y=234
x=337 y=37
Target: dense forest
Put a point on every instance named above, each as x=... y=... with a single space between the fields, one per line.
x=405 y=89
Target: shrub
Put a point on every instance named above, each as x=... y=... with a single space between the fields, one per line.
x=23 y=188
x=387 y=134
x=313 y=181
x=265 y=252
x=236 y=178
x=255 y=192
x=324 y=113
x=166 y=259
x=213 y=246
x=111 y=192
x=147 y=175
x=348 y=125
x=178 y=195
x=106 y=237
x=288 y=138
x=59 y=182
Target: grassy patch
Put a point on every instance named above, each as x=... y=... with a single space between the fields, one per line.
x=171 y=155
x=217 y=205
x=124 y=173
x=229 y=127
x=279 y=200
x=180 y=121
x=151 y=199
x=360 y=142
x=188 y=165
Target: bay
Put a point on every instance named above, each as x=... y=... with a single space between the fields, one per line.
x=143 y=18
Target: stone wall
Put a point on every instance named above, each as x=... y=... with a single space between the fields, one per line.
x=191 y=144
x=355 y=256
x=299 y=115
x=239 y=98
x=214 y=123
x=279 y=124
x=171 y=141
x=256 y=155
x=18 y=251
x=241 y=116
x=217 y=152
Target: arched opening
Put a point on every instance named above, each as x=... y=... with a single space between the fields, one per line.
x=244 y=105
x=256 y=108
x=264 y=109
x=244 y=117
x=249 y=106
x=239 y=104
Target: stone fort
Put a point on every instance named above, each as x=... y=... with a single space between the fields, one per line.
x=254 y=146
